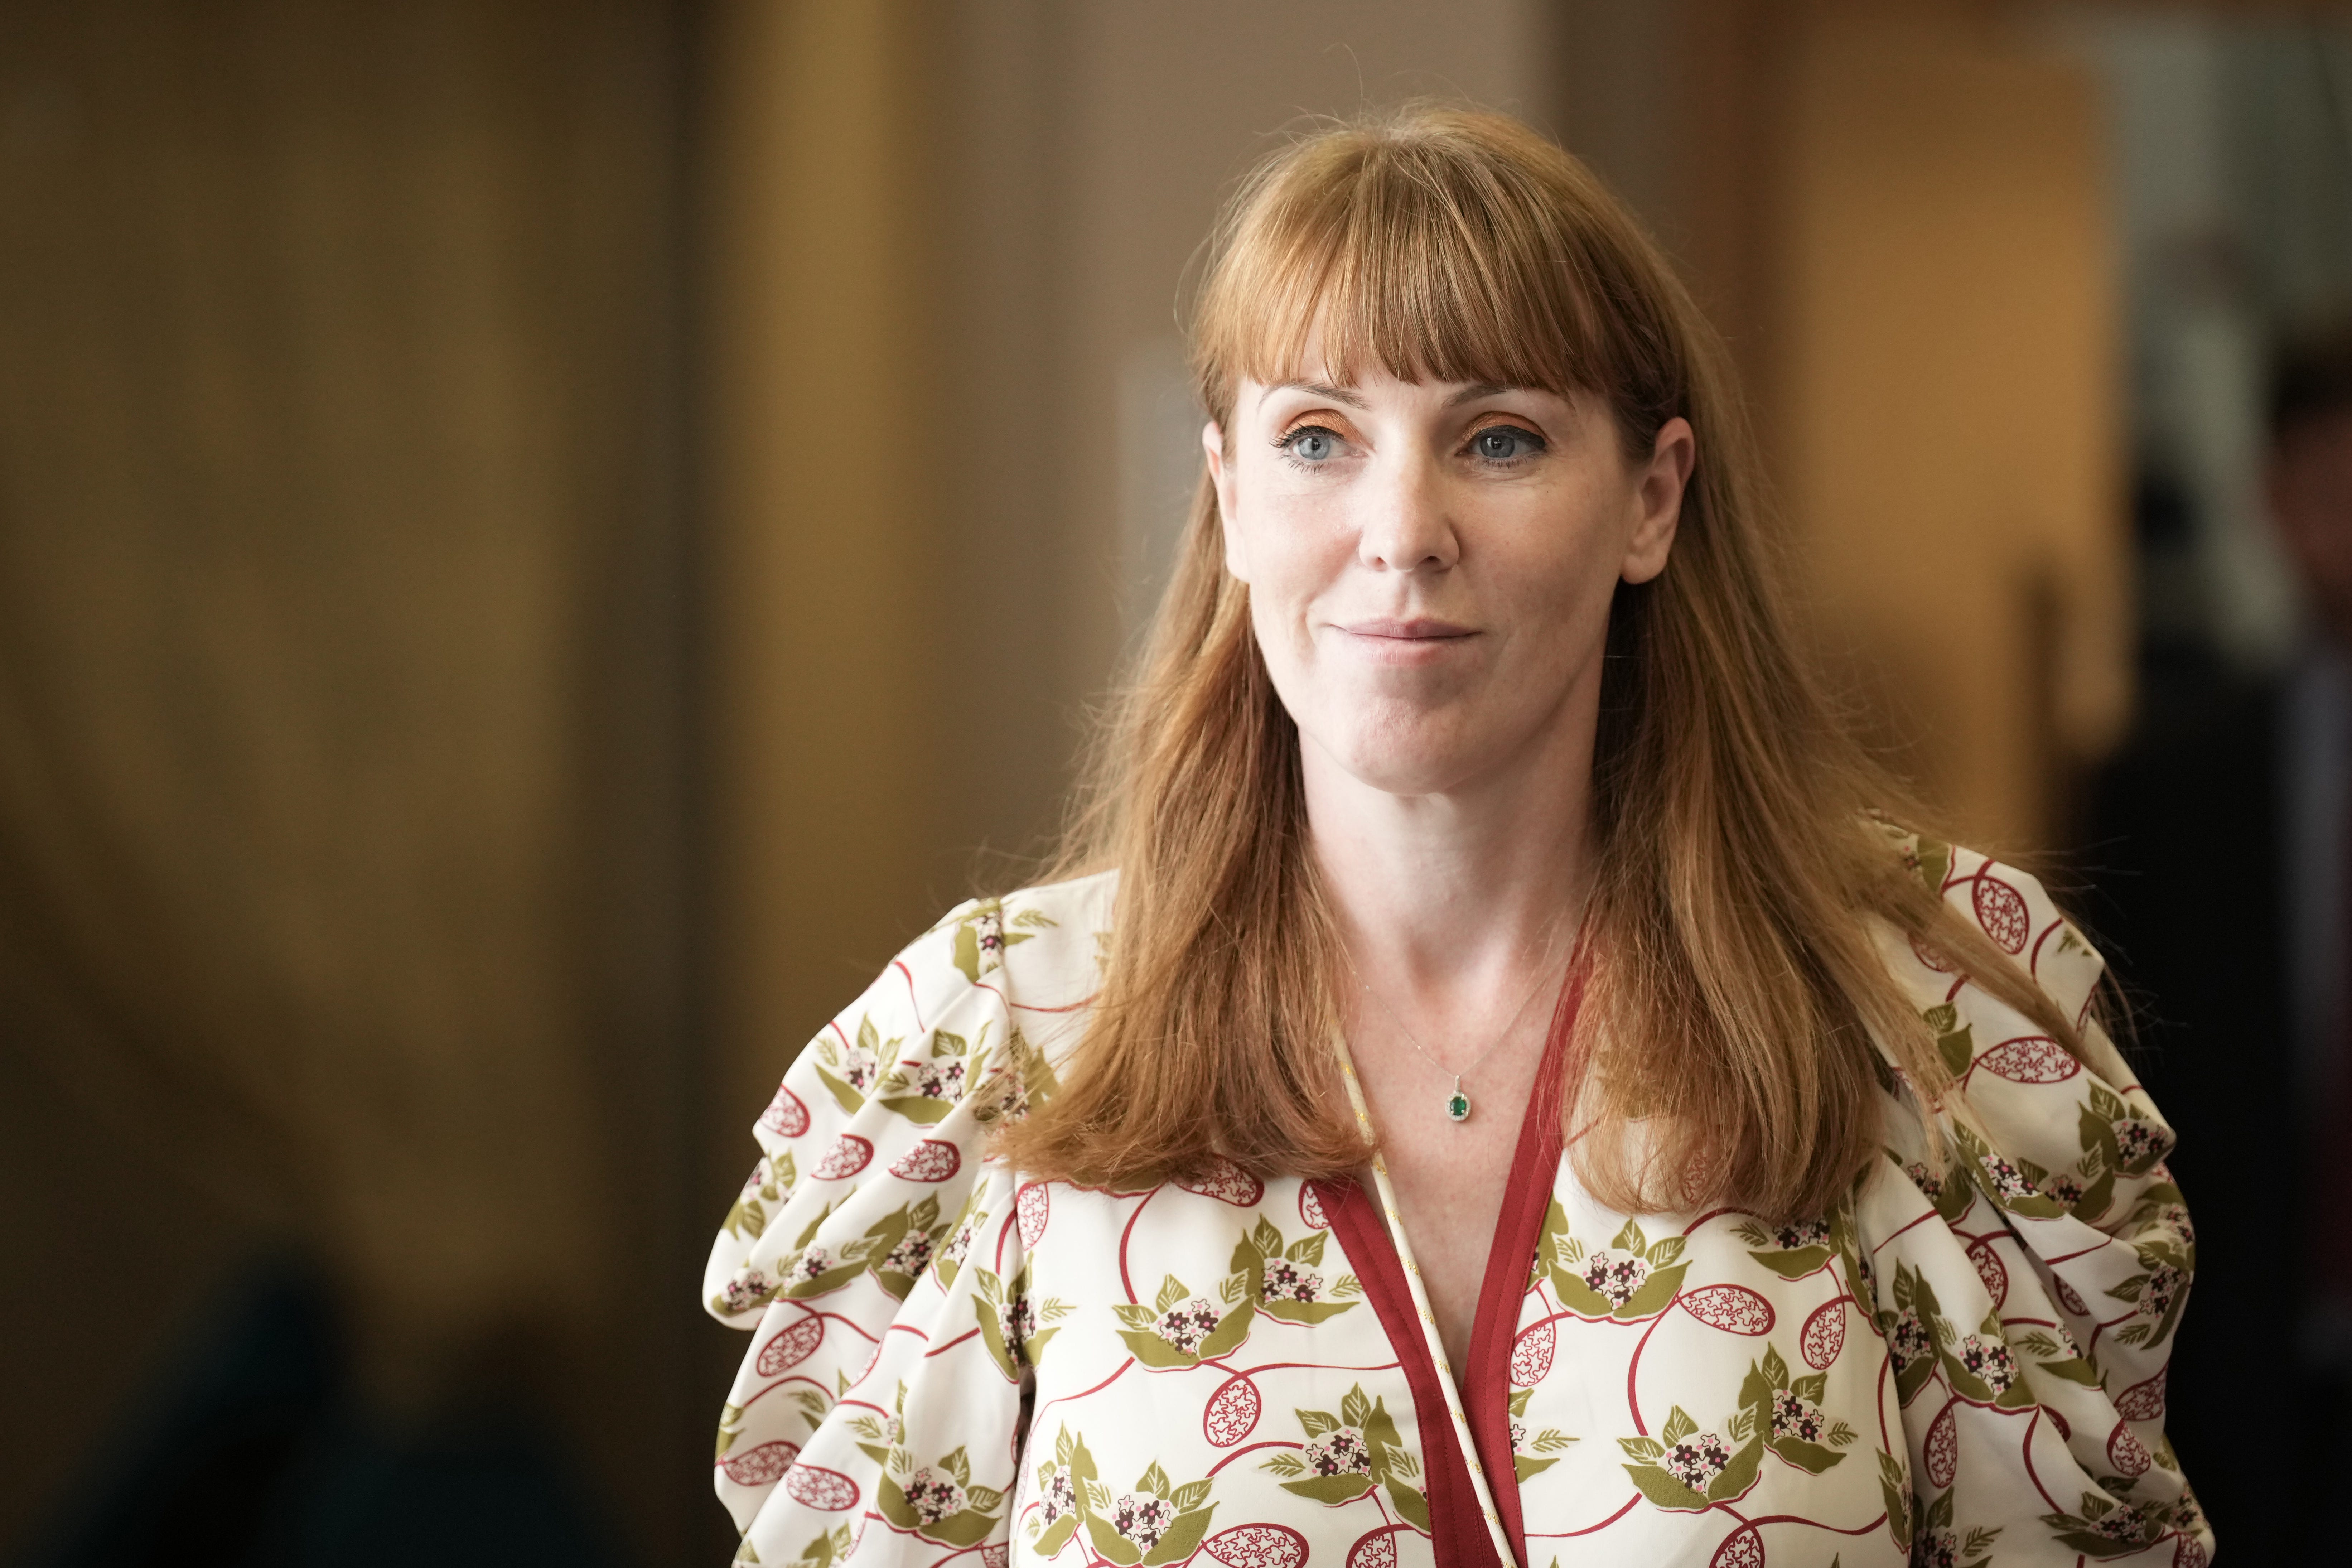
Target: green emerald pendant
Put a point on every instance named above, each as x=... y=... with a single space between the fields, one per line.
x=1457 y=1104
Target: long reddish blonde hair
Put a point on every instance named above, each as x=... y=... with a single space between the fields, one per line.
x=1742 y=856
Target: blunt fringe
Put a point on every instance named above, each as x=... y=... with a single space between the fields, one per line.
x=1746 y=870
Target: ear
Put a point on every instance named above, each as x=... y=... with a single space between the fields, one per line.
x=1213 y=442
x=1658 y=499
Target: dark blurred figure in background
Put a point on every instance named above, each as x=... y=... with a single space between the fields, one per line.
x=2222 y=837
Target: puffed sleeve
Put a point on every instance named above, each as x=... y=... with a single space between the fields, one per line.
x=879 y=1382
x=2029 y=1281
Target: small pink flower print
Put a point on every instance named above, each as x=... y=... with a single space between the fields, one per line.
x=2065 y=1188
x=1794 y=1417
x=1186 y=1325
x=1020 y=1323
x=2007 y=1180
x=933 y=1498
x=1696 y=1460
x=911 y=1256
x=1804 y=1234
x=1338 y=1452
x=748 y=1289
x=1142 y=1520
x=956 y=1244
x=1518 y=1434
x=808 y=1266
x=938 y=1080
x=989 y=929
x=2163 y=1288
x=1936 y=1549
x=859 y=1068
x=1930 y=1184
x=1989 y=1360
x=1056 y=1496
x=2136 y=1140
x=759 y=1179
x=1285 y=1281
x=2175 y=1218
x=1910 y=1343
x=2123 y=1524
x=1614 y=1276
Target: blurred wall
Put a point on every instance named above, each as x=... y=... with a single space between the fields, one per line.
x=1946 y=400
x=341 y=708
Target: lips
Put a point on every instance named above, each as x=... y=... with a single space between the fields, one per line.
x=1418 y=629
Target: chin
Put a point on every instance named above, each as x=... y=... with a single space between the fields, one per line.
x=1407 y=764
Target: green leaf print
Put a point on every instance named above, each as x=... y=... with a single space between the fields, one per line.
x=1894 y=1491
x=1349 y=1454
x=938 y=1503
x=1627 y=1282
x=1154 y=1525
x=1795 y=1250
x=1686 y=1469
x=2101 y=1527
x=982 y=936
x=829 y=1547
x=1955 y=1041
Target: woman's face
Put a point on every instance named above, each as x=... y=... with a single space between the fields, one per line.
x=1430 y=564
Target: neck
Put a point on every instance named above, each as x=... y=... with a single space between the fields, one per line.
x=1448 y=899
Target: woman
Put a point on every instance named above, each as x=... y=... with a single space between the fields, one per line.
x=1496 y=1083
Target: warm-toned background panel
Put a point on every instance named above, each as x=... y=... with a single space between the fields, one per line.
x=338 y=909
x=1944 y=403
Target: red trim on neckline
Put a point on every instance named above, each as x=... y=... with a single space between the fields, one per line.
x=1535 y=1170
x=1457 y=1524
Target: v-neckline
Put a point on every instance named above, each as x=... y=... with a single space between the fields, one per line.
x=1467 y=1456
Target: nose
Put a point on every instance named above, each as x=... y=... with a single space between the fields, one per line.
x=1408 y=525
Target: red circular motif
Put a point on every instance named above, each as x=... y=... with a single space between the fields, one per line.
x=995 y=1554
x=790 y=1348
x=786 y=1114
x=2070 y=1301
x=1232 y=1413
x=2034 y=1058
x=1743 y=1548
x=762 y=1465
x=812 y=1486
x=2066 y=1433
x=2001 y=910
x=1531 y=1356
x=2126 y=1452
x=1990 y=1269
x=1377 y=1550
x=1032 y=1206
x=1733 y=1308
x=2190 y=1554
x=2143 y=1401
x=1824 y=1334
x=1943 y=1447
x=846 y=1158
x=1931 y=958
x=929 y=1161
x=1310 y=1208
x=1257 y=1546
x=1227 y=1183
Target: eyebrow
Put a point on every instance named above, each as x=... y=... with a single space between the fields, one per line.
x=1357 y=400
x=1318 y=389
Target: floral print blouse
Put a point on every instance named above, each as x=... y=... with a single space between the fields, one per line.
x=1962 y=1363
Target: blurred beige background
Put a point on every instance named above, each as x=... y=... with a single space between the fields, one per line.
x=539 y=541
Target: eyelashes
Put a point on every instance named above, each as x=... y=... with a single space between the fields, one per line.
x=1499 y=444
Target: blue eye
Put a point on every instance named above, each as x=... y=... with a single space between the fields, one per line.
x=1503 y=443
x=1311 y=443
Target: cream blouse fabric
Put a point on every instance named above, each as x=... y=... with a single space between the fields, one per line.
x=949 y=1363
